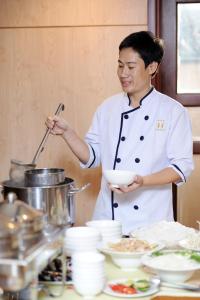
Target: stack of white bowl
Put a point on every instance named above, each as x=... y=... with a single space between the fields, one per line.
x=88 y=273
x=81 y=239
x=109 y=229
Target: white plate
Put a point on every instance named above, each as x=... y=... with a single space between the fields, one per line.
x=154 y=288
x=162 y=232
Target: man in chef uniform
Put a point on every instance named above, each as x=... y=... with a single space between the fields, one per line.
x=139 y=129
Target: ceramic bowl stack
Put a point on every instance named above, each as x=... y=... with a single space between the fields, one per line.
x=88 y=273
x=81 y=239
x=109 y=229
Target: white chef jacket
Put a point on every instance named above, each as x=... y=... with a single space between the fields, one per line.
x=146 y=139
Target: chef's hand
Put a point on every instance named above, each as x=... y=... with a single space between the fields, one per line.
x=137 y=183
x=57 y=125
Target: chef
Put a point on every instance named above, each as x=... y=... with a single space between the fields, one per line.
x=139 y=129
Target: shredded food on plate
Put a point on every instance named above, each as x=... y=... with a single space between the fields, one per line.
x=131 y=245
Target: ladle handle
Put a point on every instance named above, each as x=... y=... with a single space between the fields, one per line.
x=43 y=142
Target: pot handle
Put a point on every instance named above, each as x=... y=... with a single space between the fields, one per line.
x=73 y=191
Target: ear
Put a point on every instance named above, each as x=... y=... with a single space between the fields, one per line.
x=152 y=67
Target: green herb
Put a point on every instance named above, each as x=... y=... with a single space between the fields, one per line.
x=157 y=253
x=129 y=283
x=184 y=252
x=187 y=253
x=195 y=256
x=190 y=254
x=142 y=285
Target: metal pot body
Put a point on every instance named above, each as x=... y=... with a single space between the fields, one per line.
x=57 y=202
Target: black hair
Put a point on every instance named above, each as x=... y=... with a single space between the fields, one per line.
x=149 y=47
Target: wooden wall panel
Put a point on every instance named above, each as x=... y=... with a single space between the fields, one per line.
x=188 y=194
x=31 y=13
x=188 y=198
x=42 y=66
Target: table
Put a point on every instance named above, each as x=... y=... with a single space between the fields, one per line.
x=113 y=272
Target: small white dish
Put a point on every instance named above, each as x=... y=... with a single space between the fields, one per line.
x=119 y=177
x=154 y=288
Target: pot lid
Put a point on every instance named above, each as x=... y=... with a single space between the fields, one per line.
x=7 y=226
x=17 y=210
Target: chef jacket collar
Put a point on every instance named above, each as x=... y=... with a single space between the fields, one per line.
x=145 y=96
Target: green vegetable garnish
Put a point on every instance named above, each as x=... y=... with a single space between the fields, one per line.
x=129 y=283
x=195 y=256
x=157 y=253
x=142 y=285
x=187 y=253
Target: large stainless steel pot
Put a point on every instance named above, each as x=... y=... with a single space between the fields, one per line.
x=56 y=201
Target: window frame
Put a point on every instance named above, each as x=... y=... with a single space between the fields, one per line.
x=164 y=25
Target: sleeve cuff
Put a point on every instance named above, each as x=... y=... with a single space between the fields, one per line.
x=91 y=158
x=183 y=179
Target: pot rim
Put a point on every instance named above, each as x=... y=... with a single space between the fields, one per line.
x=14 y=185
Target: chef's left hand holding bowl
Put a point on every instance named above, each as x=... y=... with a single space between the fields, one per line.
x=137 y=183
x=122 y=181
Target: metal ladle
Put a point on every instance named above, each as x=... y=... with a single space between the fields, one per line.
x=18 y=168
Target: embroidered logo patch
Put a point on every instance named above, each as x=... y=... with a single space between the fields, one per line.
x=160 y=125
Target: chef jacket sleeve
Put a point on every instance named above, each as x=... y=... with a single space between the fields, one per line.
x=180 y=145
x=92 y=139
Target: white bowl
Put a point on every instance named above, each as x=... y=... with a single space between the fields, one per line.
x=69 y=251
x=81 y=239
x=83 y=275
x=88 y=273
x=104 y=224
x=81 y=244
x=119 y=177
x=108 y=229
x=81 y=232
x=172 y=265
x=89 y=257
x=88 y=288
x=128 y=261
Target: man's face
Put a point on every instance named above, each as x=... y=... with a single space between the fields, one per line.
x=131 y=71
